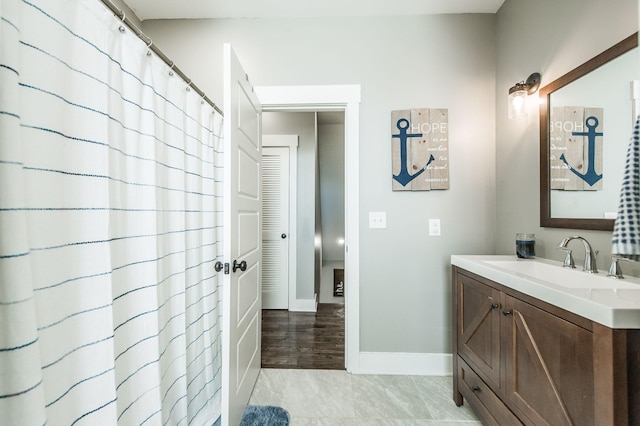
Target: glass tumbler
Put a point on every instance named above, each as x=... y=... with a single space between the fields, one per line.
x=525 y=245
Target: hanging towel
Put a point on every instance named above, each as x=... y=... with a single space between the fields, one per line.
x=626 y=231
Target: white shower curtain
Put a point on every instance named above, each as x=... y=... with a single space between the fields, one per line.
x=110 y=225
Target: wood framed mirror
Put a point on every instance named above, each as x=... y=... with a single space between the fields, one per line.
x=578 y=118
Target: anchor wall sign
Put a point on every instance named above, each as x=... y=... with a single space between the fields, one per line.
x=576 y=155
x=420 y=149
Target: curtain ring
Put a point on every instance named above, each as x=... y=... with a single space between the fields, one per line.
x=171 y=68
x=189 y=86
x=122 y=18
x=149 y=47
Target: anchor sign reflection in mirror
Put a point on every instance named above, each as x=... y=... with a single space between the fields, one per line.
x=591 y=177
x=575 y=155
x=420 y=149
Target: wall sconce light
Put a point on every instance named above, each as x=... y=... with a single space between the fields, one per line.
x=518 y=95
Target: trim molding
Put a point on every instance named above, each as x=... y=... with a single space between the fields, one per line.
x=335 y=98
x=308 y=98
x=280 y=140
x=407 y=364
x=304 y=305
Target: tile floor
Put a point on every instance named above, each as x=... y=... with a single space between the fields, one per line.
x=335 y=397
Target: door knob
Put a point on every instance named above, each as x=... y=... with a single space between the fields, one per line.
x=283 y=236
x=242 y=265
x=218 y=266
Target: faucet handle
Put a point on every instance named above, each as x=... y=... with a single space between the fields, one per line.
x=614 y=270
x=568 y=260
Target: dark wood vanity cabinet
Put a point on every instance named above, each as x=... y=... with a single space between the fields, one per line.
x=518 y=360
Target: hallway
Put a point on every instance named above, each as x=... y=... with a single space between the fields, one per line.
x=304 y=340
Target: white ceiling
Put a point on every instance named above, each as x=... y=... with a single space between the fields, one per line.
x=172 y=9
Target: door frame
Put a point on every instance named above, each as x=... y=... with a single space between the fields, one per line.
x=335 y=98
x=291 y=142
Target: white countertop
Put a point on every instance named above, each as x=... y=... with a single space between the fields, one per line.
x=610 y=302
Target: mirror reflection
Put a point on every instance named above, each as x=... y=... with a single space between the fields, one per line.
x=603 y=94
x=586 y=123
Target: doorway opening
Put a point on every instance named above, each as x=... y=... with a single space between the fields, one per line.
x=303 y=167
x=344 y=99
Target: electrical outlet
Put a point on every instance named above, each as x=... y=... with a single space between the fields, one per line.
x=434 y=227
x=377 y=220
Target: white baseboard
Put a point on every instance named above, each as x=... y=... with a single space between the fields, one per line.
x=304 y=305
x=406 y=364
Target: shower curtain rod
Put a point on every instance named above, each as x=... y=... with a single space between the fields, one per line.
x=145 y=38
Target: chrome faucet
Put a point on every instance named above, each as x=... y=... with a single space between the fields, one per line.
x=589 y=254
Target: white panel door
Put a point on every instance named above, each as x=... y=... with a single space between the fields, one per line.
x=275 y=228
x=242 y=296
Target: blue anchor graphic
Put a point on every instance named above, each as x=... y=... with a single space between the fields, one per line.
x=591 y=177
x=404 y=177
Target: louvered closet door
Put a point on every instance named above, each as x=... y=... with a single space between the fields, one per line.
x=275 y=228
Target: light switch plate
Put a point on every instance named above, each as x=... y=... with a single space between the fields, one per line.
x=434 y=227
x=377 y=220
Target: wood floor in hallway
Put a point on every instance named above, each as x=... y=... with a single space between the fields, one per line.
x=304 y=340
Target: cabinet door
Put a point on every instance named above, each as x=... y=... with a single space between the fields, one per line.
x=548 y=366
x=479 y=327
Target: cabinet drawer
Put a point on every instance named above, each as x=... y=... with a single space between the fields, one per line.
x=480 y=396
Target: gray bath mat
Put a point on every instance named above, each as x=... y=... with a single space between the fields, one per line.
x=263 y=415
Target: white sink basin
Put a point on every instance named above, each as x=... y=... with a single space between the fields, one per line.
x=611 y=302
x=555 y=274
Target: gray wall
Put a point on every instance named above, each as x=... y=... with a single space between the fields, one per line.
x=551 y=37
x=440 y=61
x=302 y=124
x=331 y=156
x=317 y=277
x=331 y=166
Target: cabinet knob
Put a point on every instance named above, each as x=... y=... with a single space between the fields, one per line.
x=494 y=306
x=506 y=312
x=475 y=389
